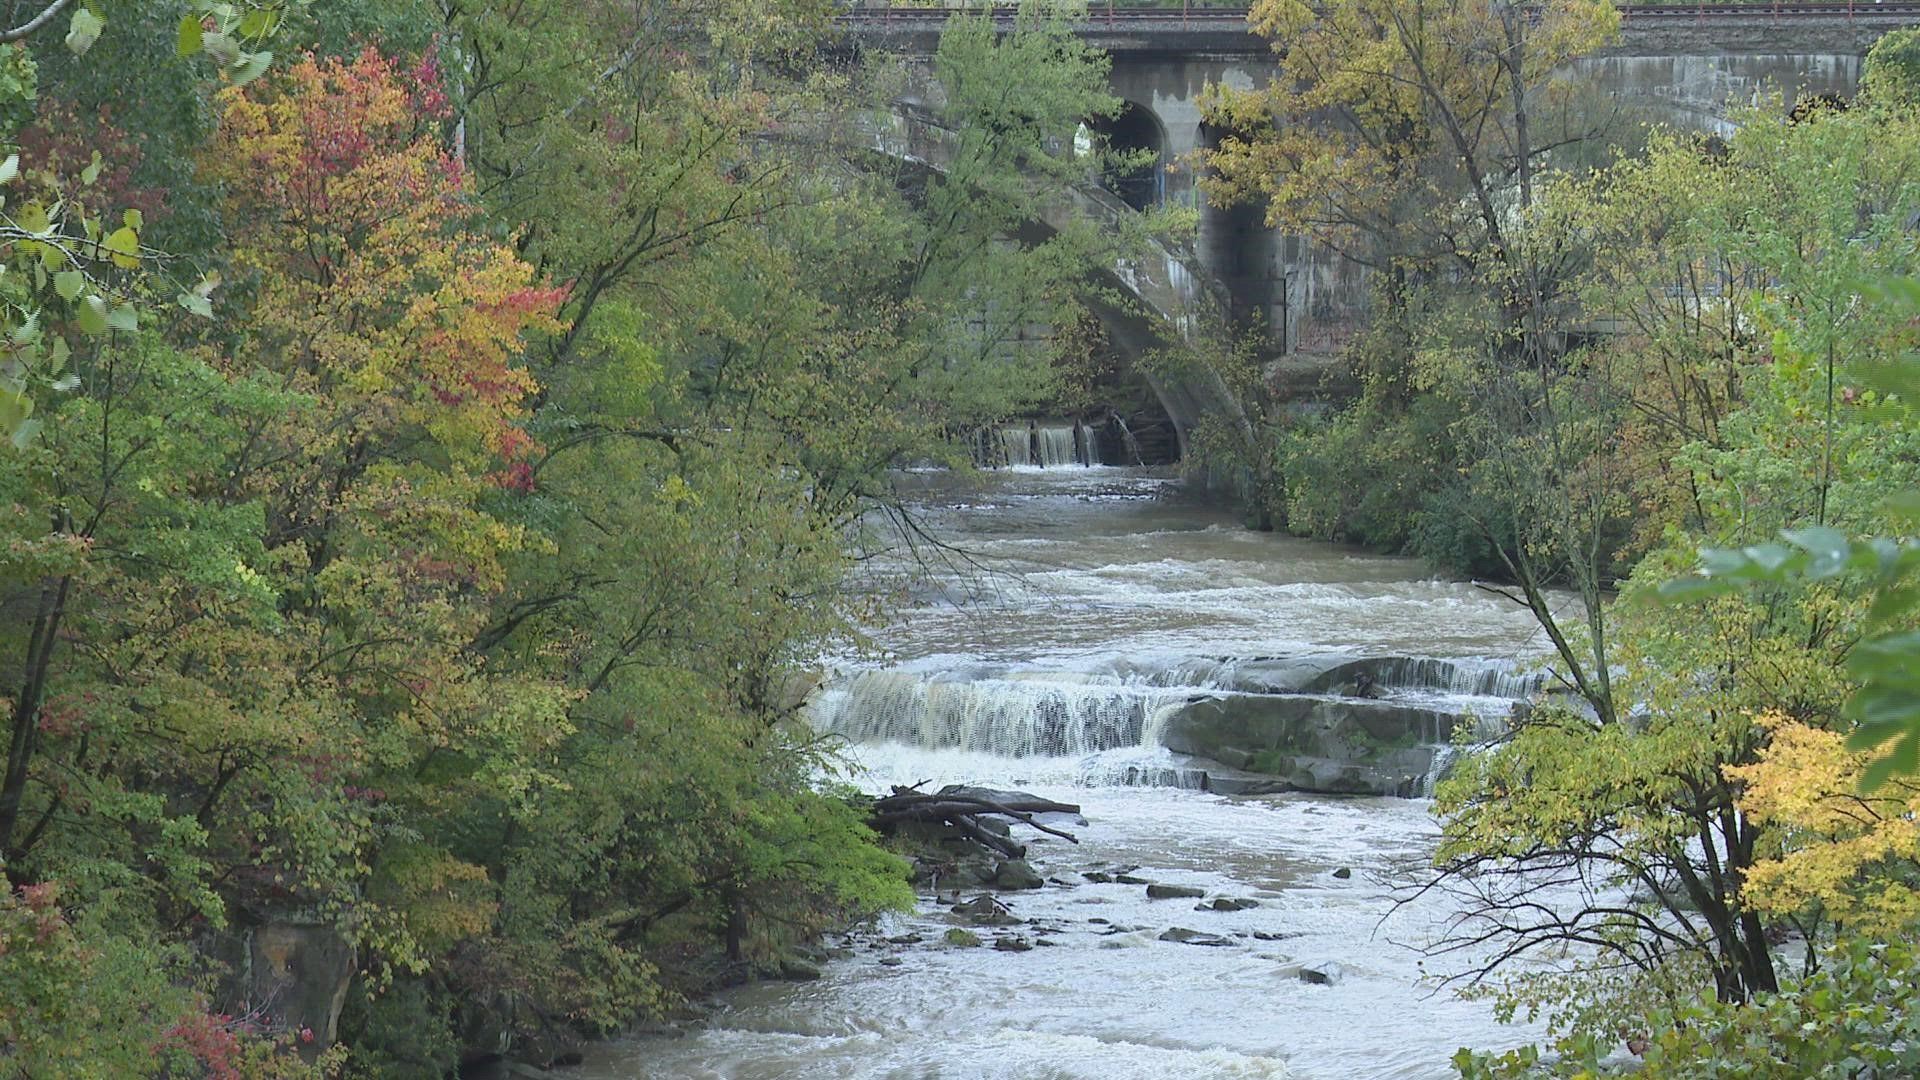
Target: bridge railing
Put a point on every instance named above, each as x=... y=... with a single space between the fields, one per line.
x=1201 y=14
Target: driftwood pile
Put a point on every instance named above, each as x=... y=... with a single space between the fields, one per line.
x=968 y=810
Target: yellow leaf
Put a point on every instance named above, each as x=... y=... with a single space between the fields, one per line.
x=123 y=246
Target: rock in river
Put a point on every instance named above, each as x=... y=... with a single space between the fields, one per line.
x=1016 y=874
x=1193 y=937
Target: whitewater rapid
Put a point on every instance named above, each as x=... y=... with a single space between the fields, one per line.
x=1089 y=603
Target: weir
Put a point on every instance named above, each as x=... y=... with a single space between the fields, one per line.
x=1054 y=446
x=1370 y=724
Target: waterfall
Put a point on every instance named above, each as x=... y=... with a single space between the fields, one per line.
x=1458 y=677
x=1475 y=678
x=1056 y=447
x=1050 y=714
x=1015 y=447
x=1444 y=756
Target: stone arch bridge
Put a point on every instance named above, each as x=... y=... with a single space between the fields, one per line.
x=1685 y=64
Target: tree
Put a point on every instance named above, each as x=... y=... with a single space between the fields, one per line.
x=1765 y=411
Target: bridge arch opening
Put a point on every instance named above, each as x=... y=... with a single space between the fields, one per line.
x=1136 y=131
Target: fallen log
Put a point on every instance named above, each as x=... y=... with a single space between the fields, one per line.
x=961 y=806
x=947 y=807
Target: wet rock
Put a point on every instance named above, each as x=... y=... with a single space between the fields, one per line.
x=1244 y=783
x=1227 y=903
x=794 y=969
x=1016 y=874
x=1099 y=921
x=981 y=871
x=891 y=961
x=1013 y=944
x=1343 y=873
x=1097 y=877
x=984 y=910
x=963 y=939
x=1349 y=745
x=1174 y=892
x=1268 y=935
x=905 y=939
x=1233 y=757
x=1193 y=937
x=1129 y=879
x=1323 y=974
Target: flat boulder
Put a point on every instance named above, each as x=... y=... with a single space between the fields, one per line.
x=1174 y=892
x=1184 y=936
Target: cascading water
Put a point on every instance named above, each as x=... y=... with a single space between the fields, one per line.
x=1056 y=445
x=1048 y=446
x=1465 y=677
x=1082 y=719
x=1016 y=446
x=1112 y=616
x=1022 y=715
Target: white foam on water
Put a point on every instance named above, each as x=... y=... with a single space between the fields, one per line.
x=1107 y=607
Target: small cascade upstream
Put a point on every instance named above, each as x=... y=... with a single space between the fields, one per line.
x=1039 y=445
x=1016 y=446
x=1057 y=446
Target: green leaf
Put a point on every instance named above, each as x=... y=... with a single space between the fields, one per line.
x=1682 y=590
x=252 y=66
x=1904 y=505
x=1903 y=759
x=83 y=31
x=256 y=23
x=1830 y=550
x=25 y=432
x=1891 y=604
x=133 y=219
x=197 y=304
x=68 y=283
x=124 y=318
x=93 y=315
x=221 y=48
x=9 y=168
x=1771 y=560
x=92 y=172
x=189 y=40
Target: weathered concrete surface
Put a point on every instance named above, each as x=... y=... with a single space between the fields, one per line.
x=299 y=975
x=1685 y=69
x=1223 y=33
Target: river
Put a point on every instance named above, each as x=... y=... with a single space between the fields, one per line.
x=1075 y=608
